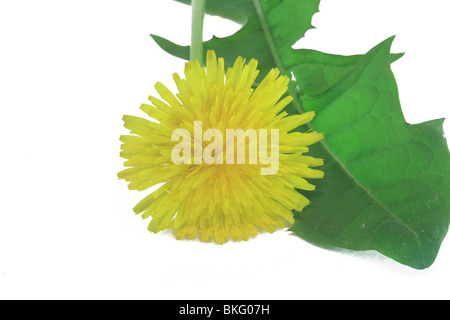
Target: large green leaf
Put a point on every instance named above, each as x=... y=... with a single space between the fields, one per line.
x=386 y=185
x=386 y=182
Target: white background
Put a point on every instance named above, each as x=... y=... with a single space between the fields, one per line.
x=69 y=70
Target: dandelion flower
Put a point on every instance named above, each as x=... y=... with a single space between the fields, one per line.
x=211 y=193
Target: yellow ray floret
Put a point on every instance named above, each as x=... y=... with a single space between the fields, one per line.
x=228 y=197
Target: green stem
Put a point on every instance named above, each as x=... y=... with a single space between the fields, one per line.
x=198 y=13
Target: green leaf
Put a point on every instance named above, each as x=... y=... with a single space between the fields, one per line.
x=270 y=29
x=386 y=182
x=386 y=185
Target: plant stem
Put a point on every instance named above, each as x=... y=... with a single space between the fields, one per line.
x=198 y=13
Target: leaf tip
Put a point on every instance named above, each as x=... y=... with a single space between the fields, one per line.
x=396 y=56
x=388 y=42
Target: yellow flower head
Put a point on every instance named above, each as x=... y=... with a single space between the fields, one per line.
x=238 y=164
